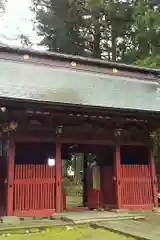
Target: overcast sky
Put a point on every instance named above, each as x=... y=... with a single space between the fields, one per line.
x=15 y=21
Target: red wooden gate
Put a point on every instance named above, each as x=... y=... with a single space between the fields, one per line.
x=136 y=187
x=34 y=190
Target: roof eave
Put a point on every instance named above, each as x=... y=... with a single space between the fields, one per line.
x=79 y=59
x=55 y=106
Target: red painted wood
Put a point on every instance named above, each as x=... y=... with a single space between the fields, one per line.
x=64 y=201
x=77 y=209
x=64 y=140
x=108 y=187
x=134 y=144
x=94 y=198
x=136 y=189
x=85 y=141
x=58 y=178
x=33 y=139
x=33 y=189
x=137 y=207
x=10 y=177
x=3 y=177
x=154 y=181
x=117 y=177
x=30 y=213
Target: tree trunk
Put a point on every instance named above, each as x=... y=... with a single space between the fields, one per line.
x=97 y=39
x=113 y=40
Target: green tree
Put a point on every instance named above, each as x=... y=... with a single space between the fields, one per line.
x=97 y=28
x=147 y=28
x=145 y=32
x=110 y=25
x=60 y=22
x=114 y=30
x=119 y=20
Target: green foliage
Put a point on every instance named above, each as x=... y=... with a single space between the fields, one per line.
x=151 y=61
x=70 y=232
x=60 y=22
x=147 y=31
x=84 y=27
x=109 y=29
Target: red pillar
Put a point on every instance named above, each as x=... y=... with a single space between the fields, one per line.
x=58 y=178
x=118 y=177
x=10 y=177
x=154 y=180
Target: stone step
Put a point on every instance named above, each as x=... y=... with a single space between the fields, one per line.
x=100 y=219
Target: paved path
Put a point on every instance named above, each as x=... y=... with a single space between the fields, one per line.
x=28 y=224
x=146 y=229
x=96 y=216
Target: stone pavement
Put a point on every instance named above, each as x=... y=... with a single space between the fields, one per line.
x=30 y=224
x=95 y=216
x=148 y=228
x=12 y=224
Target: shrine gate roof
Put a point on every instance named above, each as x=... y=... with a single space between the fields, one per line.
x=62 y=79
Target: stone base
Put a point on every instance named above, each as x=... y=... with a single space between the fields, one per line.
x=120 y=210
x=156 y=210
x=10 y=220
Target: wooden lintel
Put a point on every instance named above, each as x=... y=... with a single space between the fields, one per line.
x=64 y=118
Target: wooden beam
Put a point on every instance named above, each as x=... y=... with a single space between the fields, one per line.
x=65 y=117
x=24 y=139
x=86 y=141
x=154 y=180
x=58 y=178
x=117 y=178
x=11 y=160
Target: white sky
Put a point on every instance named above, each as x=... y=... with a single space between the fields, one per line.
x=17 y=20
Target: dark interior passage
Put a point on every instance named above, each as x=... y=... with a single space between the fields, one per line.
x=34 y=153
x=79 y=158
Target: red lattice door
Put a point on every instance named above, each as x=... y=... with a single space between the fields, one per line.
x=136 y=186
x=34 y=190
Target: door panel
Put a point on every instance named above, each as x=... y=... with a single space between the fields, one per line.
x=34 y=190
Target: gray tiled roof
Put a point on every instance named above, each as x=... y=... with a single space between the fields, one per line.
x=44 y=83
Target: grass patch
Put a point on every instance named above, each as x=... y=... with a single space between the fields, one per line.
x=71 y=233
